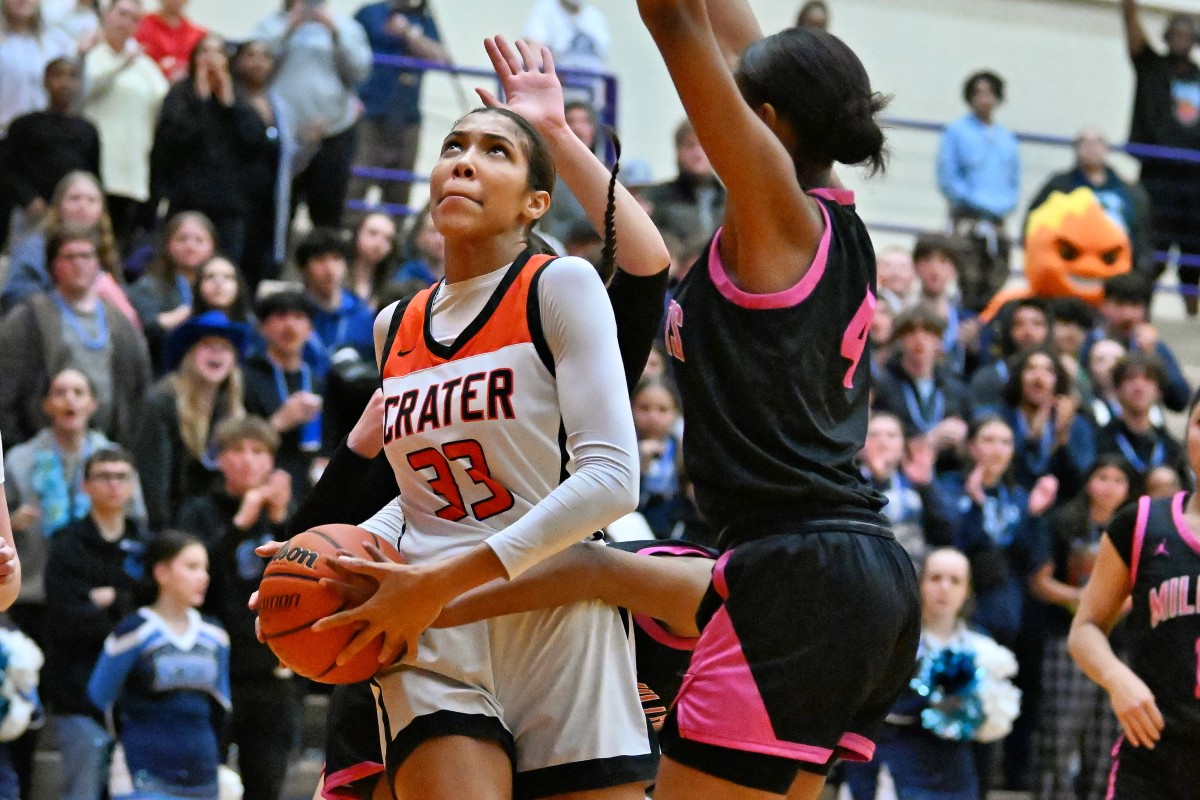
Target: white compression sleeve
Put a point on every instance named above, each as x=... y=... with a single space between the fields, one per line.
x=582 y=336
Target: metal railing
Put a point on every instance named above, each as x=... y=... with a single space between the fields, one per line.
x=588 y=81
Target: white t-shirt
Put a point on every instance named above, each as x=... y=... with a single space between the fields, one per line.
x=125 y=116
x=578 y=40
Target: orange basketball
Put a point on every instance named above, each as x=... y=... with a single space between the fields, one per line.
x=291 y=598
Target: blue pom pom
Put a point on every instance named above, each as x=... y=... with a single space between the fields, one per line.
x=949 y=680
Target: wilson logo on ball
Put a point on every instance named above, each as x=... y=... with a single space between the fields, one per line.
x=297 y=555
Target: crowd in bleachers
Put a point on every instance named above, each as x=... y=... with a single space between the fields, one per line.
x=175 y=353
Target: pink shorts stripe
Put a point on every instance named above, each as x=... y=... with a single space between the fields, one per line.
x=719 y=702
x=333 y=787
x=1112 y=773
x=854 y=747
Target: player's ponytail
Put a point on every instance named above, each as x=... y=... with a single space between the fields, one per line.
x=608 y=256
x=819 y=87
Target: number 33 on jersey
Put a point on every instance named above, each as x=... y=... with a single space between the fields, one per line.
x=472 y=428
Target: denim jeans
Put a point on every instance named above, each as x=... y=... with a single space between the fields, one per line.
x=85 y=746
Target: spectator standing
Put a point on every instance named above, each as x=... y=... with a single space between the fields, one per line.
x=249 y=509
x=813 y=14
x=320 y=59
x=1076 y=726
x=979 y=172
x=163 y=296
x=341 y=319
x=284 y=390
x=27 y=45
x=1166 y=112
x=168 y=37
x=1125 y=310
x=266 y=178
x=123 y=89
x=71 y=325
x=78 y=19
x=164 y=674
x=44 y=146
x=691 y=205
x=389 y=133
x=577 y=34
x=175 y=448
x=94 y=566
x=374 y=258
x=1126 y=203
x=46 y=487
x=202 y=144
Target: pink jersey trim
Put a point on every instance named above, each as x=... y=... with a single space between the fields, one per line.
x=1185 y=531
x=333 y=787
x=655 y=630
x=843 y=197
x=1111 y=793
x=718 y=578
x=785 y=299
x=1139 y=538
x=854 y=747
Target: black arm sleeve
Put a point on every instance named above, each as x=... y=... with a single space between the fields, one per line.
x=638 y=307
x=352 y=489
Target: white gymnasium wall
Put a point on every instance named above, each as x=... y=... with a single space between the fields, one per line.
x=1064 y=62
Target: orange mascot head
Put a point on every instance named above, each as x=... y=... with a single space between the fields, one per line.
x=1072 y=246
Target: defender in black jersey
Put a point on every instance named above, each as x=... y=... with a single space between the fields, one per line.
x=1150 y=551
x=811 y=623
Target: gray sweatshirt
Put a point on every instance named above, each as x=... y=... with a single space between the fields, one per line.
x=317 y=74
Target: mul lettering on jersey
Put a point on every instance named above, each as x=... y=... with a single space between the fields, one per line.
x=1174 y=597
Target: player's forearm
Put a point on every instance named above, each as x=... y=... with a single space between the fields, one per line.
x=562 y=579
x=642 y=250
x=1093 y=652
x=735 y=25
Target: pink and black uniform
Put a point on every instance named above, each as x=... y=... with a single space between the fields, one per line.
x=1162 y=552
x=812 y=618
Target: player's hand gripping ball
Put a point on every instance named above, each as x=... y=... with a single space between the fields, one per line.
x=302 y=584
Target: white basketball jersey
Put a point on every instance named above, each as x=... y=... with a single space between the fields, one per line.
x=472 y=428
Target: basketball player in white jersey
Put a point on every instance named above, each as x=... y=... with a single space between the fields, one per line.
x=510 y=434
